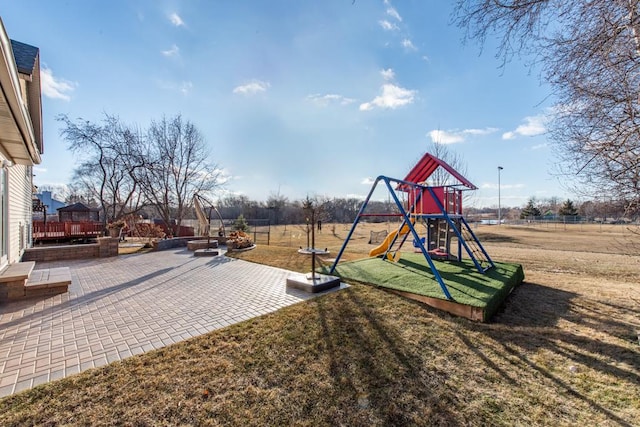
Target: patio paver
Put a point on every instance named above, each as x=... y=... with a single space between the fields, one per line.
x=123 y=306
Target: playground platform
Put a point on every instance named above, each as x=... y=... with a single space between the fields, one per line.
x=475 y=296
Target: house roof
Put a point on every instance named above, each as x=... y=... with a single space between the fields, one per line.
x=428 y=165
x=77 y=207
x=20 y=118
x=25 y=56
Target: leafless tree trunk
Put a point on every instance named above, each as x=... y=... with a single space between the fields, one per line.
x=589 y=51
x=177 y=168
x=107 y=164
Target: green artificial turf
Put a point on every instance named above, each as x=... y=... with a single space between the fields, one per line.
x=412 y=274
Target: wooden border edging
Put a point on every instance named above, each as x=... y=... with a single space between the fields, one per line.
x=467 y=311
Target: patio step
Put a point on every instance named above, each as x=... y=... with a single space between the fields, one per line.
x=13 y=278
x=20 y=280
x=17 y=271
x=48 y=282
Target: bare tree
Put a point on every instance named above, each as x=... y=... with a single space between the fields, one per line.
x=177 y=168
x=443 y=152
x=589 y=51
x=107 y=165
x=276 y=202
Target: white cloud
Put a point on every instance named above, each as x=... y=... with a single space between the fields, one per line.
x=392 y=97
x=485 y=131
x=408 y=45
x=54 y=87
x=186 y=87
x=540 y=146
x=388 y=26
x=224 y=176
x=455 y=136
x=391 y=11
x=367 y=181
x=176 y=20
x=330 y=98
x=173 y=51
x=444 y=137
x=252 y=88
x=388 y=74
x=534 y=125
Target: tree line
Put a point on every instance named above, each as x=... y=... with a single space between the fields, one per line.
x=554 y=207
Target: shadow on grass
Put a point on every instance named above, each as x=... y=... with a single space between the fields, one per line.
x=466 y=277
x=534 y=306
x=528 y=323
x=372 y=363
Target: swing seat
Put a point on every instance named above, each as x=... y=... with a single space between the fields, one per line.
x=416 y=244
x=439 y=254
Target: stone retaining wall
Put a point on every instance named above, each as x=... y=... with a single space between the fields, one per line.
x=183 y=242
x=106 y=247
x=176 y=242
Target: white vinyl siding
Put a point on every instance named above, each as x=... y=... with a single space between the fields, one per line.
x=4 y=218
x=20 y=189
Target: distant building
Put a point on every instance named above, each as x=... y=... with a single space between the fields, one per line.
x=20 y=143
x=49 y=202
x=78 y=212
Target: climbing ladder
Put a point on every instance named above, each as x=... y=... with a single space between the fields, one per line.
x=480 y=257
x=443 y=235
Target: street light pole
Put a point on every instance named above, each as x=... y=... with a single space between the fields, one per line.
x=499 y=207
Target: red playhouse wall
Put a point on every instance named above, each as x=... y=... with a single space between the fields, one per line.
x=450 y=198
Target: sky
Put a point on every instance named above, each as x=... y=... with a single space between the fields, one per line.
x=295 y=98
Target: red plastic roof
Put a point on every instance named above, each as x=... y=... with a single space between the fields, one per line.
x=428 y=164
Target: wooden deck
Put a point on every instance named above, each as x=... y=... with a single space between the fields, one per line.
x=66 y=230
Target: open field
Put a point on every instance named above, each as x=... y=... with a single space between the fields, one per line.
x=563 y=351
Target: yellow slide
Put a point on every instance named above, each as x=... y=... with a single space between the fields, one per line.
x=387 y=241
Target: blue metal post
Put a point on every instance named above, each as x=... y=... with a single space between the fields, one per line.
x=478 y=242
x=355 y=223
x=452 y=225
x=432 y=266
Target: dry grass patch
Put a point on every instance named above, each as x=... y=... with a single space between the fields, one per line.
x=563 y=351
x=365 y=357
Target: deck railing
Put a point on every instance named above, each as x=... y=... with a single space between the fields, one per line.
x=66 y=230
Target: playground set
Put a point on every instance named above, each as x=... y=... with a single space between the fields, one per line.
x=438 y=209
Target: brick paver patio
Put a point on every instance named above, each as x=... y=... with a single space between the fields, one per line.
x=118 y=307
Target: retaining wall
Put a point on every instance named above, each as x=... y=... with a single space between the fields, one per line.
x=106 y=247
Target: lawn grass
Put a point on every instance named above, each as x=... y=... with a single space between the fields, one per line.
x=562 y=351
x=356 y=357
x=412 y=274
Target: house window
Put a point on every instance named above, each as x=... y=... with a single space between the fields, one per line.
x=4 y=216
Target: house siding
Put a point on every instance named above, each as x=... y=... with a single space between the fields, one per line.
x=20 y=214
x=20 y=143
